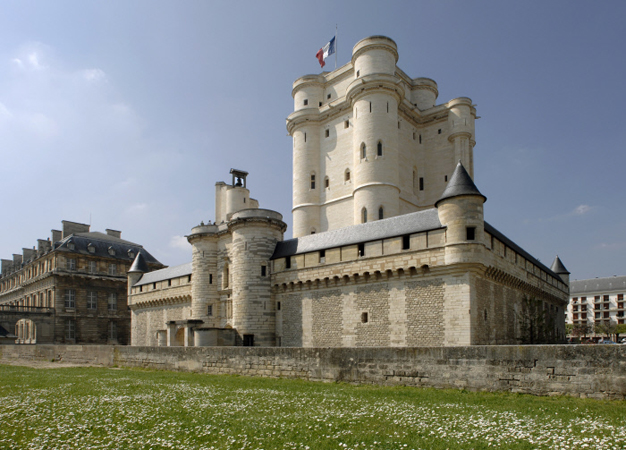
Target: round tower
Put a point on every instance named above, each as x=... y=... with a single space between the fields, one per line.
x=374 y=96
x=461 y=118
x=425 y=93
x=204 y=296
x=460 y=210
x=304 y=127
x=255 y=233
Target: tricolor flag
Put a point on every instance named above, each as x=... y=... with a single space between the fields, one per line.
x=325 y=52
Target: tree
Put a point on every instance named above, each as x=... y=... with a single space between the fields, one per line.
x=607 y=328
x=581 y=330
x=620 y=329
x=536 y=325
x=569 y=328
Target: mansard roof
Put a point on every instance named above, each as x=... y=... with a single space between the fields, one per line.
x=598 y=285
x=460 y=184
x=372 y=231
x=558 y=267
x=102 y=244
x=165 y=274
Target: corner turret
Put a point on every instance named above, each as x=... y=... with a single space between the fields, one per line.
x=136 y=271
x=558 y=268
x=460 y=209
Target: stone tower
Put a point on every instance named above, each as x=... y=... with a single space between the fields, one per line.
x=370 y=143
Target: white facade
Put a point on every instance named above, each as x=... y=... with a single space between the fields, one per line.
x=597 y=300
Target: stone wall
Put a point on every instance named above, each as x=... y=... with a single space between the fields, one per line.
x=577 y=370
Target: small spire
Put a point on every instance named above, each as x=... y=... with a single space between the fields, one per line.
x=558 y=267
x=460 y=184
x=139 y=265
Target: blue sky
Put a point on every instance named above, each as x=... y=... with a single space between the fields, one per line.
x=125 y=114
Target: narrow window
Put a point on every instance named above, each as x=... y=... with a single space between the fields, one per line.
x=70 y=298
x=70 y=329
x=92 y=300
x=364 y=215
x=153 y=286
x=326 y=182
x=363 y=151
x=327 y=132
x=346 y=124
x=210 y=278
x=406 y=242
x=364 y=317
x=420 y=138
x=278 y=306
x=439 y=131
x=380 y=213
x=169 y=283
x=347 y=175
x=358 y=73
x=414 y=135
x=379 y=149
x=471 y=233
x=304 y=137
x=398 y=125
x=209 y=310
x=288 y=262
x=387 y=106
x=361 y=249
x=188 y=278
x=112 y=331
x=421 y=184
x=445 y=178
x=322 y=256
x=112 y=304
x=370 y=106
x=263 y=271
x=320 y=104
x=306 y=101
x=226 y=280
x=313 y=181
x=328 y=96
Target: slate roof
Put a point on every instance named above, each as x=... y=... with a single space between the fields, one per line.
x=165 y=274
x=102 y=242
x=460 y=184
x=372 y=231
x=558 y=267
x=517 y=249
x=139 y=264
x=598 y=285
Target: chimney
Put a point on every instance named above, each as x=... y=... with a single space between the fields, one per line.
x=7 y=266
x=56 y=236
x=28 y=254
x=73 y=228
x=17 y=261
x=114 y=233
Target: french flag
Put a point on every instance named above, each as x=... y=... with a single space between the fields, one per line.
x=325 y=52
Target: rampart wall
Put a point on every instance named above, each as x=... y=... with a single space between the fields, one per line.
x=597 y=371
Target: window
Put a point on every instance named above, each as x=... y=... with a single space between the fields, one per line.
x=322 y=256
x=226 y=276
x=583 y=307
x=210 y=278
x=370 y=106
x=597 y=315
x=606 y=314
x=288 y=262
x=263 y=271
x=363 y=151
x=346 y=124
x=248 y=340
x=358 y=73
x=313 y=181
x=71 y=264
x=111 y=251
x=112 y=269
x=421 y=184
x=92 y=300
x=93 y=266
x=445 y=178
x=398 y=125
x=112 y=304
x=327 y=96
x=605 y=298
x=381 y=213
x=346 y=176
x=420 y=138
x=278 y=306
x=361 y=249
x=306 y=101
x=112 y=331
x=364 y=215
x=379 y=149
x=169 y=283
x=304 y=137
x=414 y=135
x=70 y=329
x=471 y=233
x=406 y=242
x=70 y=298
x=327 y=132
x=439 y=131
x=209 y=311
x=91 y=248
x=326 y=183
x=319 y=104
x=364 y=318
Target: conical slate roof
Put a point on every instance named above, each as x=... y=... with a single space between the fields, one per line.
x=460 y=184
x=139 y=265
x=558 y=267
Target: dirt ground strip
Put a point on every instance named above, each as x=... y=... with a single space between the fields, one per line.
x=38 y=364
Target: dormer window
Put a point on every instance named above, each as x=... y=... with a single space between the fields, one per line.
x=91 y=248
x=71 y=245
x=111 y=251
x=131 y=254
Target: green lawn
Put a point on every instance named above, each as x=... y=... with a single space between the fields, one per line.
x=87 y=408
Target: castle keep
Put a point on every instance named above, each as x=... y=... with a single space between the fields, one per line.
x=390 y=244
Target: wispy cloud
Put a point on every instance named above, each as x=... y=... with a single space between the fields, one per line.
x=179 y=243
x=581 y=210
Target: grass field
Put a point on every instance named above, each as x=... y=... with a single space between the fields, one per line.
x=94 y=408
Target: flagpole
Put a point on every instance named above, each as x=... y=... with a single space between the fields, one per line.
x=336 y=47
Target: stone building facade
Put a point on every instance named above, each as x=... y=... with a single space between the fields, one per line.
x=71 y=288
x=390 y=244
